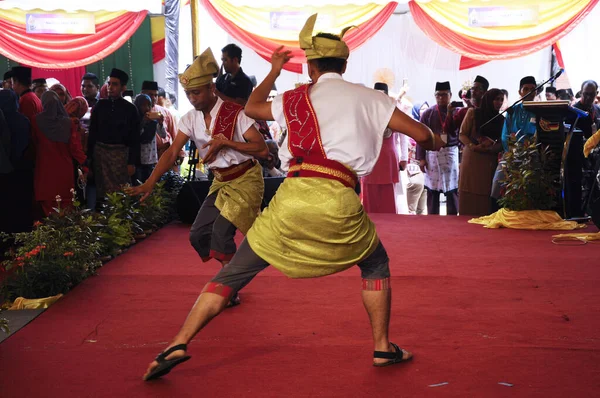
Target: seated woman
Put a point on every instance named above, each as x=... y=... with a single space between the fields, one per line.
x=482 y=144
x=57 y=144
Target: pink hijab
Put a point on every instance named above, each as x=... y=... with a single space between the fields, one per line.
x=77 y=107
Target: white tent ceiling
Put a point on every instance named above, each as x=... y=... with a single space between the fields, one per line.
x=153 y=6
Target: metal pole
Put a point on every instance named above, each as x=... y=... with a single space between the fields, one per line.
x=195 y=32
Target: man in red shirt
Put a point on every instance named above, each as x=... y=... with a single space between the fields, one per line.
x=456 y=117
x=29 y=104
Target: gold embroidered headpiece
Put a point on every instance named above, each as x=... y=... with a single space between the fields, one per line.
x=200 y=72
x=321 y=47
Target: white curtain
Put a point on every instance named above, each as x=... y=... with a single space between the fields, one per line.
x=400 y=46
x=582 y=59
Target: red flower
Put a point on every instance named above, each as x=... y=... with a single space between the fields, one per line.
x=68 y=254
x=21 y=263
x=37 y=224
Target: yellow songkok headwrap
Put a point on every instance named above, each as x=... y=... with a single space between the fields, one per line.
x=322 y=47
x=200 y=72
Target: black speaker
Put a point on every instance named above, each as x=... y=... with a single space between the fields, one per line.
x=193 y=193
x=190 y=199
x=271 y=186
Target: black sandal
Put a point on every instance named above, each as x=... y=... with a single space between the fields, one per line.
x=394 y=357
x=165 y=365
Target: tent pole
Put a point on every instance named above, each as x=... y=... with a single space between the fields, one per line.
x=195 y=28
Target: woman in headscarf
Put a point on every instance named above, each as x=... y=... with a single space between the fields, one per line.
x=57 y=145
x=149 y=128
x=77 y=108
x=417 y=109
x=482 y=144
x=63 y=93
x=17 y=198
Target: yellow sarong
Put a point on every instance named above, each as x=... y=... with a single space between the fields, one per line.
x=239 y=200
x=526 y=219
x=313 y=227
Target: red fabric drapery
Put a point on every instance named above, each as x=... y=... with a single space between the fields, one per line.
x=70 y=78
x=67 y=51
x=487 y=50
x=467 y=63
x=158 y=51
x=265 y=47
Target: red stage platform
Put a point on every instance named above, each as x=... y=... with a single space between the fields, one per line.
x=477 y=307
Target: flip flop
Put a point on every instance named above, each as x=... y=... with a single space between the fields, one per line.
x=165 y=365
x=394 y=357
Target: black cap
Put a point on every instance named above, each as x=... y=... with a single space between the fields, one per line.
x=39 y=82
x=22 y=74
x=527 y=80
x=7 y=75
x=381 y=87
x=442 y=86
x=483 y=81
x=551 y=90
x=119 y=74
x=149 y=85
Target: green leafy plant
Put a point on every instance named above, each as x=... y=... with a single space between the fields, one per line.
x=531 y=181
x=66 y=247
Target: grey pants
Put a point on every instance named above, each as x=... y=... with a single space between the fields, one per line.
x=212 y=235
x=416 y=194
x=246 y=264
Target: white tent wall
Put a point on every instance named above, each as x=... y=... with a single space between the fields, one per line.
x=400 y=45
x=582 y=65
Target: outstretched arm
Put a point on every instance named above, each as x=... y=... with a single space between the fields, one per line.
x=418 y=131
x=258 y=107
x=165 y=163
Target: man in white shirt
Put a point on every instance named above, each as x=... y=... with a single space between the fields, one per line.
x=315 y=224
x=227 y=142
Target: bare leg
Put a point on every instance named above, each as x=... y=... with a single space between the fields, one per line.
x=232 y=277
x=377 y=299
x=204 y=310
x=378 y=304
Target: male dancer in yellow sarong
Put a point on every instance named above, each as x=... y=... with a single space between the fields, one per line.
x=315 y=225
x=227 y=141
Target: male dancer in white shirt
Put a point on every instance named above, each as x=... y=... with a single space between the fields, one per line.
x=315 y=224
x=227 y=142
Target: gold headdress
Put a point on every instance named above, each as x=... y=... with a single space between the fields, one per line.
x=200 y=72
x=321 y=47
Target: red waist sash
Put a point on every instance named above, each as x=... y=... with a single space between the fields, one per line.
x=316 y=166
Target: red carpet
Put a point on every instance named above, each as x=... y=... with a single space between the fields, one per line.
x=477 y=307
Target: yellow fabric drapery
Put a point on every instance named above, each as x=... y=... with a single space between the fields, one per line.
x=18 y=16
x=528 y=219
x=157 y=28
x=583 y=238
x=33 y=304
x=453 y=15
x=257 y=20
